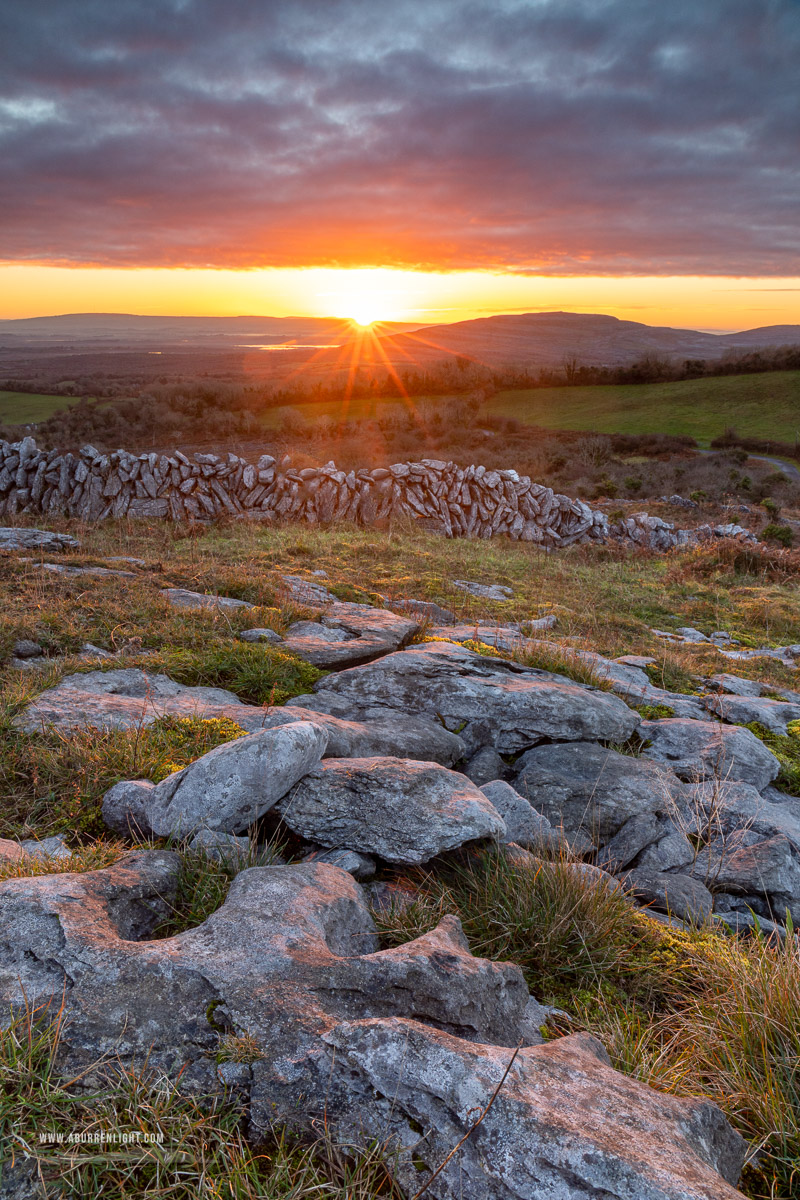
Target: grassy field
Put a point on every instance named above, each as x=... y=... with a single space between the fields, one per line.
x=28 y=408
x=765 y=406
x=689 y=1012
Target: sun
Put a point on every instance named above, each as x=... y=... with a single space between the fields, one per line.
x=363 y=317
x=361 y=295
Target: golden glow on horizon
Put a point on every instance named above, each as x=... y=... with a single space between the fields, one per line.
x=367 y=295
x=382 y=294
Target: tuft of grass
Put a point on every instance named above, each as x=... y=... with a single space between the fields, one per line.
x=653 y=712
x=786 y=749
x=671 y=675
x=549 y=656
x=562 y=931
x=257 y=674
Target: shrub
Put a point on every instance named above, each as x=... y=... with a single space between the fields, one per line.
x=778 y=533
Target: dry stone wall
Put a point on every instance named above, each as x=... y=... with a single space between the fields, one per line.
x=456 y=501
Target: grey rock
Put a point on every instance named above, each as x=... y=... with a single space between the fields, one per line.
x=305 y=591
x=743 y=710
x=390 y=895
x=126 y=809
x=538 y=624
x=426 y=610
x=722 y=808
x=489 y=633
x=518 y=706
x=524 y=825
x=769 y=867
x=25 y=648
x=222 y=847
x=233 y=785
x=393 y=735
x=44 y=918
x=261 y=635
x=348 y=635
x=126 y=699
x=635 y=660
x=234 y=1074
x=634 y=685
x=538 y=1125
x=181 y=598
x=99 y=572
x=697 y=750
x=681 y=895
x=399 y=810
x=670 y=852
x=485 y=766
x=590 y=791
x=317 y=631
x=536 y=1016
x=20 y=1179
x=88 y=651
x=484 y=591
x=46 y=849
x=35 y=539
x=735 y=685
x=10 y=852
x=360 y=866
x=126 y=558
x=630 y=839
x=739 y=916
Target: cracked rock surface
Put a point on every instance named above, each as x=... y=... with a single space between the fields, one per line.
x=515 y=706
x=697 y=750
x=348 y=635
x=406 y=1042
x=591 y=791
x=405 y=812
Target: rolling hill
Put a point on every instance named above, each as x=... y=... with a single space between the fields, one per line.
x=547 y=339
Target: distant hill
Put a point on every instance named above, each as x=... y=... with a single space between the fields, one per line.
x=130 y=329
x=546 y=339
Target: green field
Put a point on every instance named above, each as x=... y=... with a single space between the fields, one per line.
x=765 y=406
x=28 y=408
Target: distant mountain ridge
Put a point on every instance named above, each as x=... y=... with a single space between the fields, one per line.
x=546 y=339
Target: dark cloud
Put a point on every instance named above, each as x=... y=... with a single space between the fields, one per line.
x=573 y=136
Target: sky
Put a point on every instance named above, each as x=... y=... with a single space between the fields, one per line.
x=420 y=160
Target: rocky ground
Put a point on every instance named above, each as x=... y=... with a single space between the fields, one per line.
x=355 y=852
